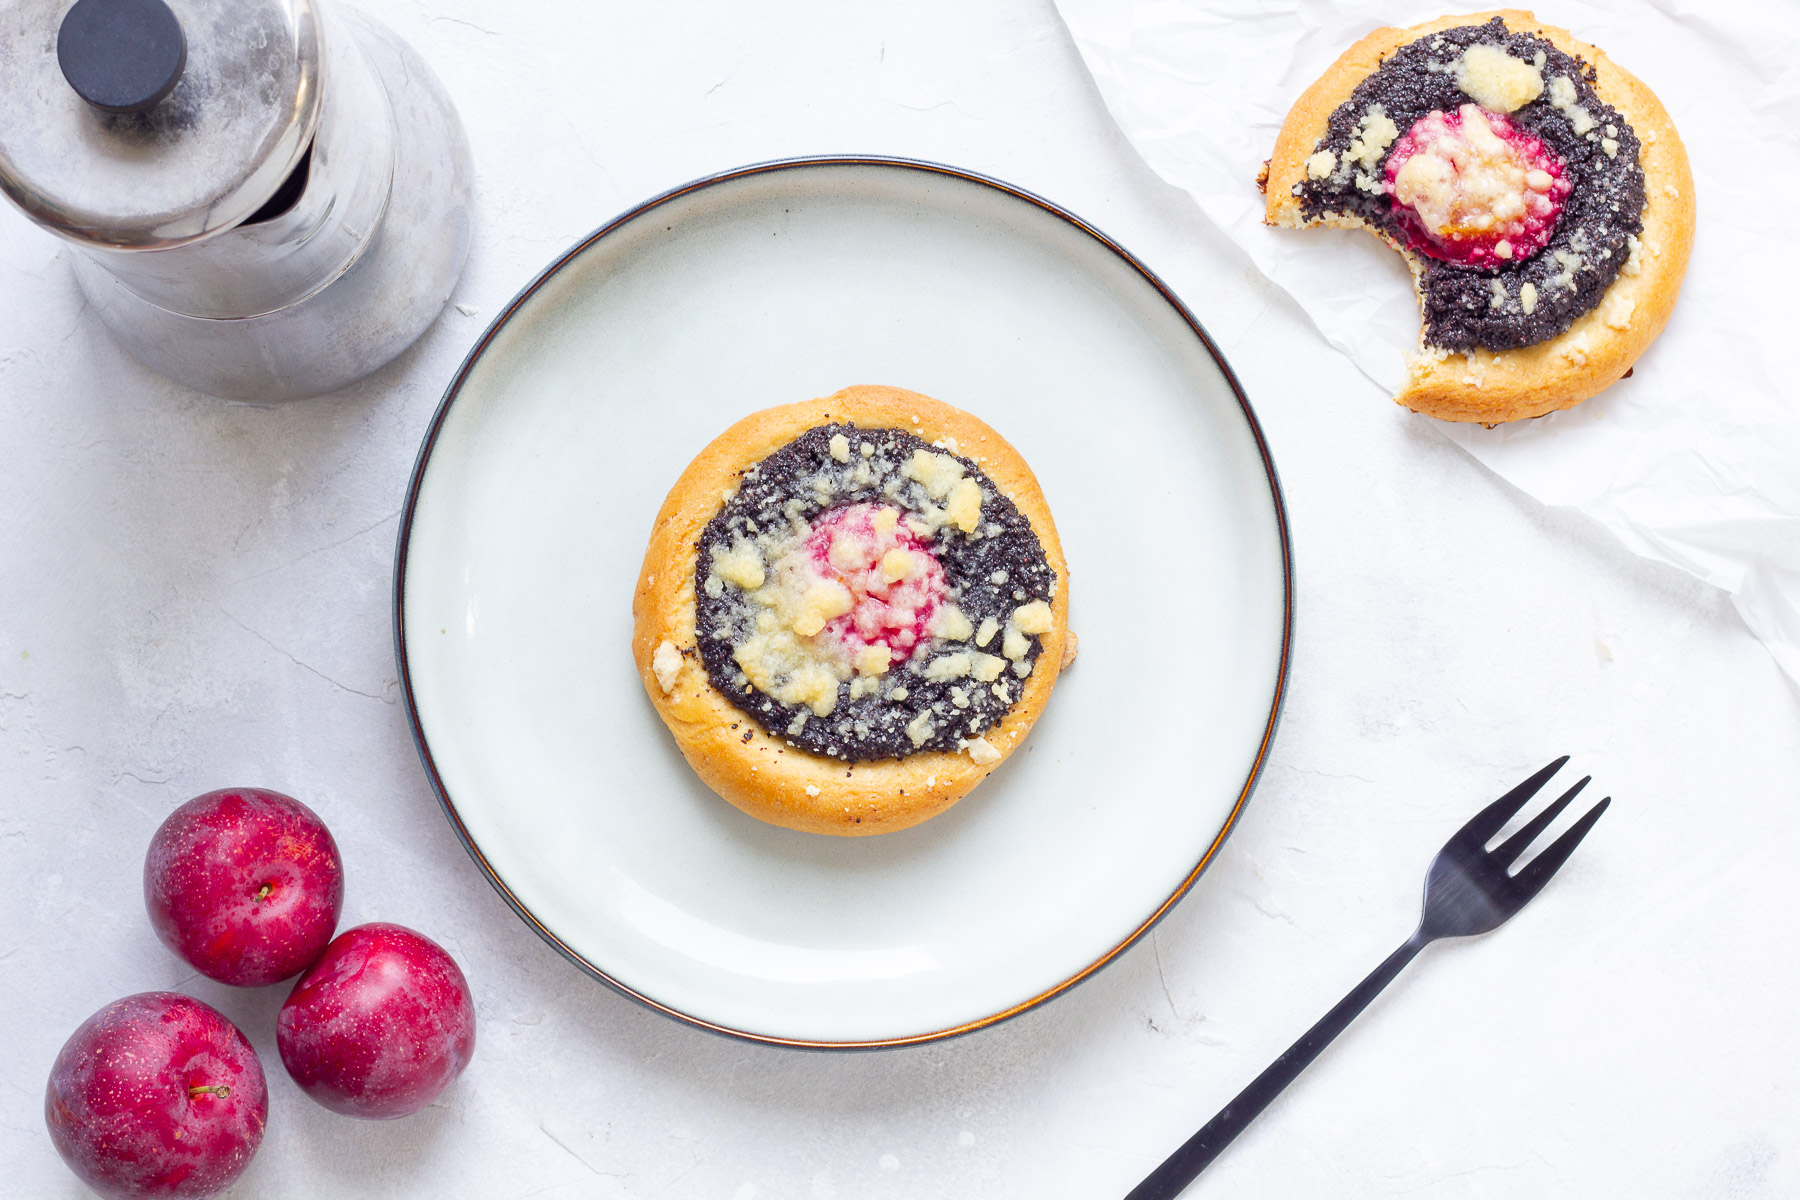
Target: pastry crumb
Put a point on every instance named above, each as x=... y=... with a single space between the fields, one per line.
x=981 y=751
x=1071 y=647
x=666 y=663
x=1496 y=80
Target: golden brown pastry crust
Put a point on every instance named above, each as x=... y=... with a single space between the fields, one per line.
x=1601 y=346
x=762 y=775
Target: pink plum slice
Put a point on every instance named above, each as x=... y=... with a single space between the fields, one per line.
x=895 y=613
x=380 y=1025
x=245 y=884
x=157 y=1095
x=1483 y=191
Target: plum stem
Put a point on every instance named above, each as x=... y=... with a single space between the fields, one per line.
x=222 y=1091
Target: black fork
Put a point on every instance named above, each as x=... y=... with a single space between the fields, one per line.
x=1468 y=891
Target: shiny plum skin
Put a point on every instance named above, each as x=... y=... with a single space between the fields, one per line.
x=380 y=1025
x=157 y=1095
x=244 y=884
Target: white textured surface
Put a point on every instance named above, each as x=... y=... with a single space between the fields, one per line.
x=196 y=593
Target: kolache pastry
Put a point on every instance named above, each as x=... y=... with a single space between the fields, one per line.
x=852 y=610
x=1537 y=190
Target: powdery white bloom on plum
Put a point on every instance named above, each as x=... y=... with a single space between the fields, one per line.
x=157 y=1095
x=245 y=884
x=380 y=1025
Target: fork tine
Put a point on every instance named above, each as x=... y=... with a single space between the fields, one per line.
x=1515 y=845
x=1538 y=872
x=1486 y=823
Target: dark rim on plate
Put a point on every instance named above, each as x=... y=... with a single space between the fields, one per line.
x=792 y=164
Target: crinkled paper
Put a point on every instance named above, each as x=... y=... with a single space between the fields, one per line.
x=1695 y=460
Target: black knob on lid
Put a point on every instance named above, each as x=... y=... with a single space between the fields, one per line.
x=121 y=56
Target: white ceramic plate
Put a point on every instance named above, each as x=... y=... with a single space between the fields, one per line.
x=525 y=527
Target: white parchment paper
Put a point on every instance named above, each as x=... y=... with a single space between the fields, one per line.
x=1695 y=460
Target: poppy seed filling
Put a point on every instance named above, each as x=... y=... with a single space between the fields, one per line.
x=865 y=595
x=1483 y=103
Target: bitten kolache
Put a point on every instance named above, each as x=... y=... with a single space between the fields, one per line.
x=1538 y=191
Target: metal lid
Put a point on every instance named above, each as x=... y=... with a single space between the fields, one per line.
x=195 y=112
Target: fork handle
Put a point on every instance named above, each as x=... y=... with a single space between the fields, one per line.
x=1180 y=1168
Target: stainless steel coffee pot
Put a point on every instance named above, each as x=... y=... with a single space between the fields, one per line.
x=268 y=198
